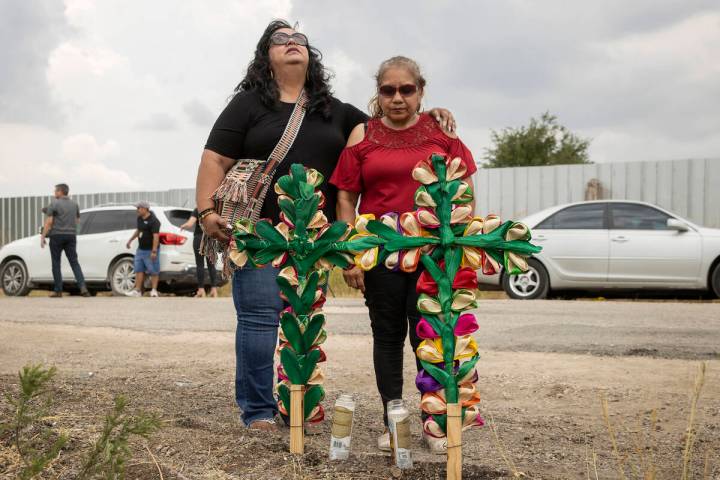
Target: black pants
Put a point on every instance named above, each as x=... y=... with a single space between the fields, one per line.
x=200 y=261
x=392 y=301
x=67 y=243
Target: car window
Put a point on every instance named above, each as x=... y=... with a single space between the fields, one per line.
x=632 y=216
x=177 y=217
x=83 y=223
x=590 y=216
x=111 y=221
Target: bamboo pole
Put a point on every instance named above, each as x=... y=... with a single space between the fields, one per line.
x=297 y=433
x=454 y=441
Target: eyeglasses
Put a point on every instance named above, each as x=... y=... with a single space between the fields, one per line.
x=281 y=38
x=406 y=90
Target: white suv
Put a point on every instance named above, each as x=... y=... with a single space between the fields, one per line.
x=106 y=262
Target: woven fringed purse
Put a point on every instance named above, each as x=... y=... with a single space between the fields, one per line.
x=242 y=192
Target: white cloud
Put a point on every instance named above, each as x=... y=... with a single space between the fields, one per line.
x=33 y=159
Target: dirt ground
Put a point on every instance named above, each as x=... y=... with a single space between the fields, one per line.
x=544 y=368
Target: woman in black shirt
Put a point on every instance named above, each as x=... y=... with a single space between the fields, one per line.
x=250 y=127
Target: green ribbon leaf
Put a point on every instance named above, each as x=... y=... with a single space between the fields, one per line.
x=291 y=364
x=313 y=396
x=437 y=373
x=291 y=329
x=312 y=331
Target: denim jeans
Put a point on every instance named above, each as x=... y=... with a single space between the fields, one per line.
x=68 y=243
x=258 y=304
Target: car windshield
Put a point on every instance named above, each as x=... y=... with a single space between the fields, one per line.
x=177 y=217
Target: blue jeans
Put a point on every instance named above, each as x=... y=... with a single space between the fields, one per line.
x=258 y=304
x=145 y=264
x=68 y=243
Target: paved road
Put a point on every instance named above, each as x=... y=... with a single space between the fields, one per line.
x=662 y=329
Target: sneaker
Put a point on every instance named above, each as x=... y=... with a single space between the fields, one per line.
x=133 y=293
x=436 y=445
x=153 y=293
x=85 y=292
x=264 y=424
x=200 y=293
x=55 y=295
x=383 y=441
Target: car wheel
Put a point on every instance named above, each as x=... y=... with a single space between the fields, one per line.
x=715 y=280
x=122 y=276
x=15 y=281
x=530 y=285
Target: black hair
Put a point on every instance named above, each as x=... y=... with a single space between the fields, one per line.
x=259 y=75
x=63 y=187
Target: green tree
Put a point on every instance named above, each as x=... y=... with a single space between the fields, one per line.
x=543 y=142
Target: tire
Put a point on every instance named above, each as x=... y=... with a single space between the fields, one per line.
x=715 y=281
x=534 y=284
x=14 y=278
x=122 y=276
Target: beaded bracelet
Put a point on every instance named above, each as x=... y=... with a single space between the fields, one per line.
x=205 y=213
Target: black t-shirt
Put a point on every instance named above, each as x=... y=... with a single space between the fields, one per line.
x=198 y=226
x=248 y=129
x=146 y=227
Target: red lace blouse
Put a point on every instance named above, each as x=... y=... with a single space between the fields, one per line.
x=380 y=166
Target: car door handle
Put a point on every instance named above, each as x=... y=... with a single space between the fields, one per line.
x=114 y=240
x=540 y=238
x=620 y=239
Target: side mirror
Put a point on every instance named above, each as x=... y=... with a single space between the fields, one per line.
x=675 y=224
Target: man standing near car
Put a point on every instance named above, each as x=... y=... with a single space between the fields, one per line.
x=63 y=215
x=147 y=259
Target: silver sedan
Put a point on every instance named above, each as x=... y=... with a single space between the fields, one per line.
x=615 y=244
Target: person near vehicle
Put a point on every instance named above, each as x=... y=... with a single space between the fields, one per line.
x=376 y=167
x=62 y=217
x=194 y=225
x=250 y=127
x=147 y=255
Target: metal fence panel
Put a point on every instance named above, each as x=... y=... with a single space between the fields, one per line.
x=690 y=188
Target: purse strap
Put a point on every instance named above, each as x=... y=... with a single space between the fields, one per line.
x=289 y=134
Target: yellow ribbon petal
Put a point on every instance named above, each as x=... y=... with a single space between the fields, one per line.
x=283 y=229
x=472 y=257
x=368 y=259
x=361 y=222
x=430 y=350
x=465 y=347
x=314 y=177
x=474 y=226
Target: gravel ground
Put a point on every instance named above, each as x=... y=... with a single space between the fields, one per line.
x=543 y=369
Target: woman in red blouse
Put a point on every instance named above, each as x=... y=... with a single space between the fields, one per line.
x=376 y=168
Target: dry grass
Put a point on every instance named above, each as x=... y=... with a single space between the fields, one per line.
x=638 y=460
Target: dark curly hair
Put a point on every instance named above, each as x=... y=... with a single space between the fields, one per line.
x=258 y=76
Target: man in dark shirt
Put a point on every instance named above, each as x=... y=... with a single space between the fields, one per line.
x=63 y=215
x=147 y=255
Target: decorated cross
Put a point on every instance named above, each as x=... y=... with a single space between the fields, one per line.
x=440 y=233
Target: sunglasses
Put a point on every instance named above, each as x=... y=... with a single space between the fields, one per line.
x=281 y=38
x=405 y=90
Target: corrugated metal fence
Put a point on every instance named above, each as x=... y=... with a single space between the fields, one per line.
x=22 y=216
x=690 y=188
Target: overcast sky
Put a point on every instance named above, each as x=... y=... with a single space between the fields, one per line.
x=120 y=95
